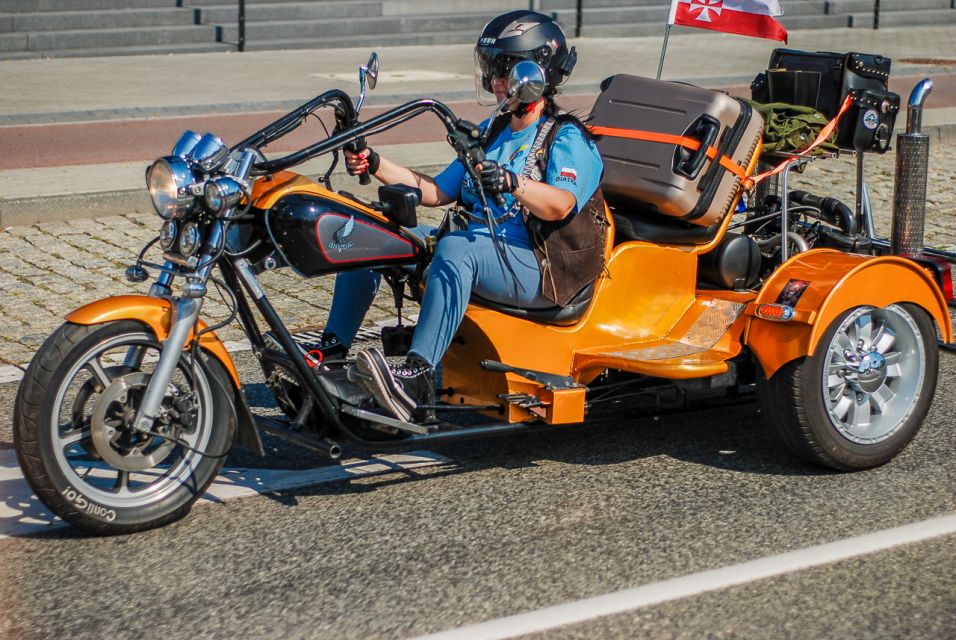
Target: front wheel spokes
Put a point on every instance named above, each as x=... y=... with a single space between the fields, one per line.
x=95 y=367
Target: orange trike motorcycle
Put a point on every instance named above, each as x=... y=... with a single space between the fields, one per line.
x=128 y=410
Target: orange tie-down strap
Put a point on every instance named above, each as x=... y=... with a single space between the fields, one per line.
x=680 y=141
x=725 y=162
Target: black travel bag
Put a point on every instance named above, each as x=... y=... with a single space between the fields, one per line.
x=819 y=79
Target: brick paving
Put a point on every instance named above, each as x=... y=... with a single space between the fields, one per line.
x=48 y=269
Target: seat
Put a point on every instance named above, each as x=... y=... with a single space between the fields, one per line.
x=561 y=316
x=636 y=224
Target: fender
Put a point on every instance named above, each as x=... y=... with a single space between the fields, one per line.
x=155 y=313
x=837 y=282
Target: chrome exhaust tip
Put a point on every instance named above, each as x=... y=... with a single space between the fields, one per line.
x=912 y=172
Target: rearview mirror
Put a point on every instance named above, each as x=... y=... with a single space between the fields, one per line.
x=526 y=82
x=371 y=71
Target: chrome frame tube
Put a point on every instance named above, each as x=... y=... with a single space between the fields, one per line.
x=186 y=312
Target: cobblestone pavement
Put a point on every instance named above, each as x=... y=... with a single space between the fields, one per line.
x=49 y=269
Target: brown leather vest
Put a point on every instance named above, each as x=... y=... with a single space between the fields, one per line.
x=570 y=252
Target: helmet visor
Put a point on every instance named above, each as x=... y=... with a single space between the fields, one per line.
x=490 y=63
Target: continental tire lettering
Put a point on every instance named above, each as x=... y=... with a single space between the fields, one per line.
x=90 y=508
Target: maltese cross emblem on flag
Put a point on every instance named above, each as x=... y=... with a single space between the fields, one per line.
x=704 y=7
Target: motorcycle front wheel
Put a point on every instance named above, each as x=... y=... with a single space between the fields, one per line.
x=73 y=434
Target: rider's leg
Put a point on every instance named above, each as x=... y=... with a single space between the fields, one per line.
x=464 y=262
x=353 y=295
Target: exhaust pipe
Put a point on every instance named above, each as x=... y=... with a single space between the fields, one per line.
x=912 y=170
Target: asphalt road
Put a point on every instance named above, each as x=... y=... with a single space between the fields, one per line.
x=512 y=525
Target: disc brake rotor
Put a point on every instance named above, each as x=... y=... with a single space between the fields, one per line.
x=115 y=440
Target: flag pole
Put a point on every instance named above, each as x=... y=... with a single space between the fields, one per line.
x=660 y=66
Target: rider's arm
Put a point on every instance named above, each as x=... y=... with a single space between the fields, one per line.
x=393 y=173
x=543 y=200
x=573 y=174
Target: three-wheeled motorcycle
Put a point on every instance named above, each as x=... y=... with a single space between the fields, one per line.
x=128 y=410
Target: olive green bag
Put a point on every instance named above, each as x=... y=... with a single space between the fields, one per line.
x=791 y=128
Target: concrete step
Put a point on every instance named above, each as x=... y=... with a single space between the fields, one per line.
x=366 y=41
x=199 y=47
x=98 y=19
x=249 y=3
x=615 y=16
x=32 y=6
x=866 y=6
x=170 y=37
x=279 y=11
x=792 y=23
x=556 y=5
x=320 y=29
x=905 y=18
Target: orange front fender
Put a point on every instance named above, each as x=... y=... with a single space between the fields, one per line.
x=155 y=313
x=838 y=282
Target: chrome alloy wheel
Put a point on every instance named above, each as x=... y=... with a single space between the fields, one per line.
x=93 y=444
x=874 y=370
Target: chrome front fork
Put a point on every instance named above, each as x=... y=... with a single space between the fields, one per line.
x=185 y=314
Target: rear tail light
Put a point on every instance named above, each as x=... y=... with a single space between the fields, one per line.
x=777 y=312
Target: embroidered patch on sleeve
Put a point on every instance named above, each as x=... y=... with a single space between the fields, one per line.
x=568 y=174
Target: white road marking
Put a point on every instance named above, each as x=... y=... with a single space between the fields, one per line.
x=22 y=514
x=699 y=583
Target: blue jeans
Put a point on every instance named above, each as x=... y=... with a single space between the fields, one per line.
x=465 y=262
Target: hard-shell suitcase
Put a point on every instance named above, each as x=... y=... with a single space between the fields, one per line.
x=673 y=148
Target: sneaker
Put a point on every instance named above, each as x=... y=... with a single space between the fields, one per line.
x=327 y=344
x=398 y=389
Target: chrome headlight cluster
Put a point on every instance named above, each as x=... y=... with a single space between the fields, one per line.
x=175 y=181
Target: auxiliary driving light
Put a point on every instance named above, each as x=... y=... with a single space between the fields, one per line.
x=167 y=236
x=189 y=239
x=222 y=193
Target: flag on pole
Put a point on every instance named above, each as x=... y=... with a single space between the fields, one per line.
x=743 y=17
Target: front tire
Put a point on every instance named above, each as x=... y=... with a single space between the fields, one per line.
x=859 y=399
x=74 y=443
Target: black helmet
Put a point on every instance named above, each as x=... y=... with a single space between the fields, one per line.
x=521 y=35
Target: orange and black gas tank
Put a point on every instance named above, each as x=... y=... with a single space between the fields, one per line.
x=320 y=232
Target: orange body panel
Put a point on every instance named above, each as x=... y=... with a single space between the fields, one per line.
x=838 y=281
x=643 y=295
x=155 y=313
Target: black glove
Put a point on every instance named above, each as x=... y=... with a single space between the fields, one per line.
x=496 y=179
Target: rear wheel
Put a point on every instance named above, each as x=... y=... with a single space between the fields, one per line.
x=75 y=443
x=859 y=399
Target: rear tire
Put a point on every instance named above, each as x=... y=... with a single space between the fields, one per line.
x=860 y=398
x=74 y=445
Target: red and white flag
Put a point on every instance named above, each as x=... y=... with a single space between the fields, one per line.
x=744 y=17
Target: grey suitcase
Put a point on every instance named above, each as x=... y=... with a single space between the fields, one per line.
x=663 y=172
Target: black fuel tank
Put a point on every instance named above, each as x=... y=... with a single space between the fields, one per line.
x=318 y=236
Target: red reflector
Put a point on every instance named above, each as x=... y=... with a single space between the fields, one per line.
x=780 y=312
x=948 y=283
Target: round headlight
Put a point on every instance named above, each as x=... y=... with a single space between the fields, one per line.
x=167 y=237
x=168 y=180
x=221 y=194
x=189 y=239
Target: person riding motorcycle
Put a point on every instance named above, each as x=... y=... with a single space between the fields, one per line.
x=552 y=223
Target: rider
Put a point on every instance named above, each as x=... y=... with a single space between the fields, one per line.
x=552 y=224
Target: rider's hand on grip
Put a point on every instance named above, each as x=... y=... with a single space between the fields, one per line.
x=361 y=160
x=496 y=180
